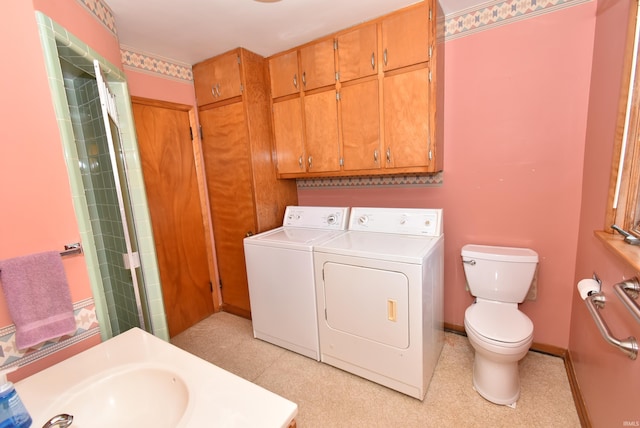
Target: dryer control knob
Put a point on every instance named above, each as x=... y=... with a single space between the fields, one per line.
x=363 y=219
x=332 y=218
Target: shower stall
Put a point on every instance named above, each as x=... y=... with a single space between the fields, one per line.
x=104 y=194
x=106 y=181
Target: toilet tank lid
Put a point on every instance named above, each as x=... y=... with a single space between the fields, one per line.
x=505 y=254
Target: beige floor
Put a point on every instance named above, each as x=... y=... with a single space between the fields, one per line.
x=328 y=397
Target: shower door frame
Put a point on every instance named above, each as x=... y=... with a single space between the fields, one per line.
x=58 y=42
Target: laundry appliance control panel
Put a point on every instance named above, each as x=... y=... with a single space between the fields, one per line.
x=407 y=221
x=332 y=218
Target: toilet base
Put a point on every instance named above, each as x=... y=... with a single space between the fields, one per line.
x=498 y=382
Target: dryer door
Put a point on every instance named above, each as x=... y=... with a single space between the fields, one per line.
x=369 y=303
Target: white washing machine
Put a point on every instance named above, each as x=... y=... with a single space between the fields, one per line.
x=380 y=297
x=281 y=278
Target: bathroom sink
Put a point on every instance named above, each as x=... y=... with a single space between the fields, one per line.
x=135 y=396
x=137 y=380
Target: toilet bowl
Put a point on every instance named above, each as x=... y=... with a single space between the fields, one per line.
x=500 y=334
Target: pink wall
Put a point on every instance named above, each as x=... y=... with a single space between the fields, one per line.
x=37 y=211
x=151 y=86
x=608 y=379
x=515 y=117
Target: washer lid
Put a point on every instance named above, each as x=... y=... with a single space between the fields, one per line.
x=498 y=321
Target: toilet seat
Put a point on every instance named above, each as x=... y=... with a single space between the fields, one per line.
x=498 y=323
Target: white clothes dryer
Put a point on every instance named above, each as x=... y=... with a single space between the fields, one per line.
x=380 y=297
x=281 y=278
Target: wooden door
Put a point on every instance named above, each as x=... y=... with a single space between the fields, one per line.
x=283 y=70
x=357 y=53
x=218 y=78
x=317 y=65
x=322 y=144
x=228 y=169
x=171 y=183
x=406 y=38
x=288 y=135
x=406 y=119
x=360 y=116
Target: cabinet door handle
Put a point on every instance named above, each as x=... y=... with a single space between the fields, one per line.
x=295 y=80
x=304 y=79
x=249 y=233
x=375 y=155
x=384 y=56
x=215 y=90
x=388 y=154
x=373 y=60
x=310 y=160
x=300 y=162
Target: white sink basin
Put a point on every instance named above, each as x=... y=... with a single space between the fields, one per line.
x=136 y=396
x=138 y=380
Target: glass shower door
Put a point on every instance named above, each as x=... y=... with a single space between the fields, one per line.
x=129 y=278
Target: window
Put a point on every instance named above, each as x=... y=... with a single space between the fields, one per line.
x=624 y=195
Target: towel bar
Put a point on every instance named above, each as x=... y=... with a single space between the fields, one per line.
x=69 y=249
x=629 y=346
x=628 y=292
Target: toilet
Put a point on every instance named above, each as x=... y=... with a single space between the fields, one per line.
x=499 y=278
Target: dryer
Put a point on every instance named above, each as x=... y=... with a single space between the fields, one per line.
x=281 y=279
x=380 y=297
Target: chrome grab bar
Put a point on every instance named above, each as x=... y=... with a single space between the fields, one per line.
x=628 y=346
x=628 y=292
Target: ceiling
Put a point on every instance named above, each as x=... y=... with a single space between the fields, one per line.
x=189 y=31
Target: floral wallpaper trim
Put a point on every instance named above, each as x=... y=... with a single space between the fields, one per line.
x=499 y=12
x=432 y=180
x=86 y=326
x=102 y=13
x=154 y=64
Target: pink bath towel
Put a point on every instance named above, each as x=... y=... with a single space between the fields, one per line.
x=38 y=297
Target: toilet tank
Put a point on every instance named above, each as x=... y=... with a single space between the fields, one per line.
x=502 y=274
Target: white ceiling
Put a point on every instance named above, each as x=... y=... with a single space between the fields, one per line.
x=190 y=31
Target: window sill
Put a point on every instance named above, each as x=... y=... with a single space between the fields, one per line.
x=630 y=254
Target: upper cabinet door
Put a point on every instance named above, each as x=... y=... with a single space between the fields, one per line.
x=218 y=78
x=322 y=144
x=284 y=76
x=317 y=65
x=361 y=126
x=357 y=53
x=406 y=120
x=288 y=135
x=406 y=38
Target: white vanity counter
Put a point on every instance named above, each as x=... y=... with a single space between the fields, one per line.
x=136 y=379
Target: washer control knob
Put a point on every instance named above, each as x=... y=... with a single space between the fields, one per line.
x=332 y=219
x=403 y=219
x=363 y=219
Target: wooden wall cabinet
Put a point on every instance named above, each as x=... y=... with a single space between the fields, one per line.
x=407 y=37
x=218 y=78
x=357 y=53
x=245 y=195
x=285 y=74
x=317 y=65
x=407 y=134
x=383 y=118
x=305 y=110
x=322 y=144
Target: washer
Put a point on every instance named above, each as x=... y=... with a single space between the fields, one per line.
x=281 y=278
x=380 y=295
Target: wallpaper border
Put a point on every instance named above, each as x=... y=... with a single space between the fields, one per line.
x=86 y=326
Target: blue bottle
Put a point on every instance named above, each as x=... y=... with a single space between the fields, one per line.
x=13 y=414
